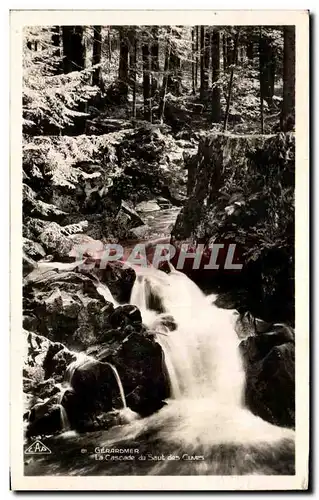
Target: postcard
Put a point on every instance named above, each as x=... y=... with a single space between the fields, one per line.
x=159 y=250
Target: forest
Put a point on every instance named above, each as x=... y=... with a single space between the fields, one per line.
x=241 y=78
x=179 y=134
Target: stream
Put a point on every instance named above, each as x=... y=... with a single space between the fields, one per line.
x=160 y=222
x=204 y=428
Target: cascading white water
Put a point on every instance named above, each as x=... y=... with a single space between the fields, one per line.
x=65 y=424
x=125 y=414
x=202 y=356
x=205 y=416
x=119 y=383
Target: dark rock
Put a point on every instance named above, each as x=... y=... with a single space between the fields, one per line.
x=124 y=315
x=269 y=361
x=258 y=346
x=94 y=389
x=44 y=418
x=139 y=361
x=169 y=322
x=66 y=306
x=30 y=322
x=93 y=395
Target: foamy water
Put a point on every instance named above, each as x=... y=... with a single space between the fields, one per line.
x=205 y=416
x=202 y=355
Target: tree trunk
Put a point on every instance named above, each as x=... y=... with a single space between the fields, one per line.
x=134 y=80
x=250 y=50
x=123 y=63
x=231 y=82
x=207 y=53
x=133 y=68
x=73 y=48
x=205 y=46
x=216 y=109
x=109 y=48
x=146 y=82
x=261 y=84
x=154 y=59
x=97 y=50
x=202 y=45
x=230 y=51
x=165 y=81
x=174 y=81
x=225 y=66
x=196 y=58
x=193 y=60
x=267 y=67
x=56 y=41
x=288 y=105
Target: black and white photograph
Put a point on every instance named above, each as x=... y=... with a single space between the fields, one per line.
x=158 y=245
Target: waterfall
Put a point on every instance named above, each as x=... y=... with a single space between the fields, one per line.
x=65 y=424
x=119 y=383
x=80 y=360
x=202 y=356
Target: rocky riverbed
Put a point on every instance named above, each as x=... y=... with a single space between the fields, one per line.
x=89 y=354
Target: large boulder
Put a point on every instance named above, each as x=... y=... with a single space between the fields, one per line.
x=269 y=362
x=65 y=306
x=91 y=396
x=138 y=359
